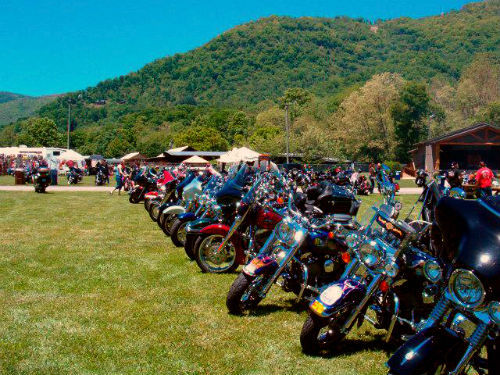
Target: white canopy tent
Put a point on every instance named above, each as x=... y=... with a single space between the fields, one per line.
x=237 y=155
x=133 y=156
x=70 y=155
x=195 y=160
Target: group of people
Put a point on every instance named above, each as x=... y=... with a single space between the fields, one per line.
x=482 y=178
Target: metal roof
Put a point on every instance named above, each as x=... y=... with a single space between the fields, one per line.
x=197 y=153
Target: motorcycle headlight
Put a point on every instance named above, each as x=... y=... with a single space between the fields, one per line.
x=466 y=288
x=494 y=311
x=285 y=233
x=433 y=271
x=370 y=253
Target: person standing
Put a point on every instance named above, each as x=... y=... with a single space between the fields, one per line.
x=484 y=179
x=372 y=173
x=119 y=176
x=454 y=176
x=53 y=165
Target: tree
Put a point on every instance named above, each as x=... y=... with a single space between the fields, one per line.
x=407 y=113
x=295 y=98
x=39 y=132
x=201 y=138
x=363 y=123
x=118 y=147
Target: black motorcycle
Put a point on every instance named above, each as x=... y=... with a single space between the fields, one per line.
x=462 y=331
x=100 y=178
x=41 y=179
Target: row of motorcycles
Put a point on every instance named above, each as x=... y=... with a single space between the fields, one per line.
x=432 y=283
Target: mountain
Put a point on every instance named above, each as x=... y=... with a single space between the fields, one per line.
x=8 y=96
x=260 y=59
x=16 y=106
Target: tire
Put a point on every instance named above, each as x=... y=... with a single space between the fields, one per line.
x=154 y=210
x=189 y=248
x=167 y=223
x=239 y=288
x=147 y=203
x=135 y=197
x=310 y=339
x=178 y=233
x=214 y=263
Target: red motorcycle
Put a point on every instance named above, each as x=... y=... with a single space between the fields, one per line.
x=220 y=248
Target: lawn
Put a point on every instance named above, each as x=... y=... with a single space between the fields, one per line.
x=62 y=180
x=90 y=285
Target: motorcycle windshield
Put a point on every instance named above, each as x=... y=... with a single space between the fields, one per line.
x=233 y=188
x=471 y=234
x=251 y=194
x=190 y=177
x=192 y=189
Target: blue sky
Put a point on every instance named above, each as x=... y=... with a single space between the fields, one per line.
x=49 y=46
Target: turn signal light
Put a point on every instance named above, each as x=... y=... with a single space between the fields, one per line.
x=331 y=235
x=280 y=200
x=346 y=258
x=384 y=286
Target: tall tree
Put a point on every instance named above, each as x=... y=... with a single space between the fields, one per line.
x=39 y=132
x=363 y=124
x=407 y=113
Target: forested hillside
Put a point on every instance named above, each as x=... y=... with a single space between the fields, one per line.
x=227 y=92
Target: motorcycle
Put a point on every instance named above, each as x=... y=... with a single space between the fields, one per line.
x=41 y=179
x=361 y=186
x=100 y=178
x=385 y=276
x=145 y=183
x=464 y=325
x=302 y=251
x=74 y=176
x=221 y=248
x=206 y=207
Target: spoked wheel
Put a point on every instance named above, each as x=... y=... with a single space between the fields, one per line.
x=168 y=221
x=212 y=260
x=243 y=295
x=154 y=210
x=317 y=335
x=178 y=233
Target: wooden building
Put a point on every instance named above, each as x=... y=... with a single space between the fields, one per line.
x=467 y=146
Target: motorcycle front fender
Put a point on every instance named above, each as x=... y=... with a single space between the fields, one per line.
x=151 y=195
x=423 y=351
x=338 y=296
x=197 y=225
x=174 y=210
x=261 y=264
x=221 y=229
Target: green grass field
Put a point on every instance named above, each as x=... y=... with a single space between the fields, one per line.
x=90 y=285
x=62 y=181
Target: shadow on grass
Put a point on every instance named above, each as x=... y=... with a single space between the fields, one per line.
x=352 y=346
x=290 y=305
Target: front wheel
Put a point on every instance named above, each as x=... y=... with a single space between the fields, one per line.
x=135 y=197
x=243 y=294
x=318 y=335
x=178 y=233
x=168 y=221
x=210 y=258
x=154 y=210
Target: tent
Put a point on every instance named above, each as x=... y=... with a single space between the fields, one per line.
x=70 y=155
x=237 y=155
x=133 y=156
x=196 y=161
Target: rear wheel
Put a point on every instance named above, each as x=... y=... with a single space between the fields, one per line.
x=212 y=260
x=243 y=294
x=318 y=335
x=178 y=233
